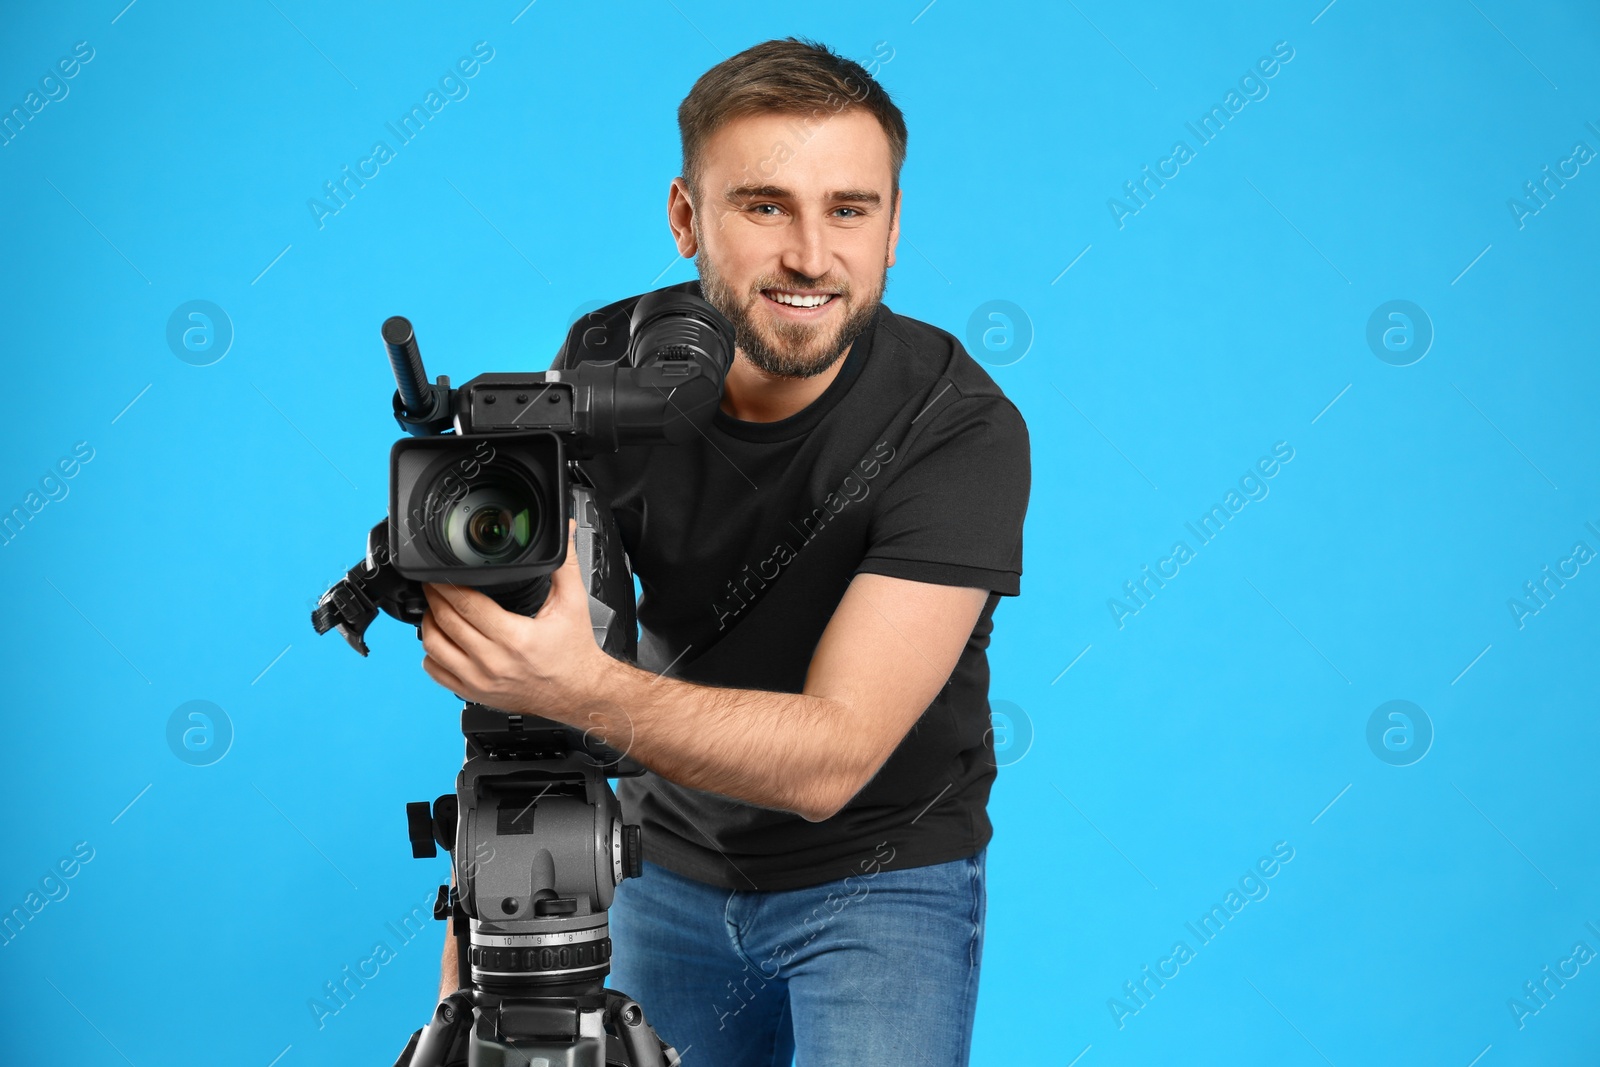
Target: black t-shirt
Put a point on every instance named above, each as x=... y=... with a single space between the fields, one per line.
x=911 y=464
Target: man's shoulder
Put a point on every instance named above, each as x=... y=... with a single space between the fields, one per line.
x=933 y=361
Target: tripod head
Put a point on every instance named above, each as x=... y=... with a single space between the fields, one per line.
x=534 y=810
x=533 y=807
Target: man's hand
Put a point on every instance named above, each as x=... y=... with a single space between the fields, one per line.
x=543 y=665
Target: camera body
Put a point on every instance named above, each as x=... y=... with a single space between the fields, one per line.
x=481 y=491
x=486 y=505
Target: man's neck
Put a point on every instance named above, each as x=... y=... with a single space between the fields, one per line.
x=752 y=395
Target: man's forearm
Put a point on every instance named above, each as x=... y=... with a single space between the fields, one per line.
x=449 y=965
x=787 y=751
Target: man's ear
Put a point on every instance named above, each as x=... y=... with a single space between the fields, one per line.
x=894 y=228
x=680 y=217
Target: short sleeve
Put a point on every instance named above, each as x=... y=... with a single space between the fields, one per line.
x=952 y=513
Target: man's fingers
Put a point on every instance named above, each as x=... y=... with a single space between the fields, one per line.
x=572 y=545
x=463 y=612
x=444 y=676
x=441 y=647
x=571 y=572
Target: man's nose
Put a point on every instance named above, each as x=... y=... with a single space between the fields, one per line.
x=807 y=252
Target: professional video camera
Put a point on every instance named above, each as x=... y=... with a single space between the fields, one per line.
x=534 y=830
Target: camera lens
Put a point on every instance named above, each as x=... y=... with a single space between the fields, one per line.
x=489 y=529
x=493 y=522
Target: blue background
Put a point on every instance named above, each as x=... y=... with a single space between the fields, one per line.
x=1229 y=313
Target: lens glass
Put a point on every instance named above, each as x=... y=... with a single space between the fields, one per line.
x=492 y=523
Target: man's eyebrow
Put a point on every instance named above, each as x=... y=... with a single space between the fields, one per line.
x=776 y=192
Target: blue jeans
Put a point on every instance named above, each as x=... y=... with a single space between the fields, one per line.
x=877 y=968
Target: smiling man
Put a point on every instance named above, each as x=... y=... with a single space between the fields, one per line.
x=819 y=573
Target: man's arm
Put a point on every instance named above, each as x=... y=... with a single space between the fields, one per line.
x=449 y=965
x=886 y=652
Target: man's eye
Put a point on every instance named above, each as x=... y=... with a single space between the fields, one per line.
x=850 y=209
x=757 y=208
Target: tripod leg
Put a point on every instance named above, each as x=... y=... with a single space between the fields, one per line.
x=409 y=1051
x=645 y=1048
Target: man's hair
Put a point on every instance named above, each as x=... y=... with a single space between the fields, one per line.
x=793 y=76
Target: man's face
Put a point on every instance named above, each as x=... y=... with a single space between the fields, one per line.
x=794 y=210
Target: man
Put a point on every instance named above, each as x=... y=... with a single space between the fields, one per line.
x=819 y=570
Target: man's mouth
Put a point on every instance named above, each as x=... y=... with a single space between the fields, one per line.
x=800 y=299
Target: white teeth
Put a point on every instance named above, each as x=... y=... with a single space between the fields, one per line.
x=800 y=301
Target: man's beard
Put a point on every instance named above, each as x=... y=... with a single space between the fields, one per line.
x=787 y=349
